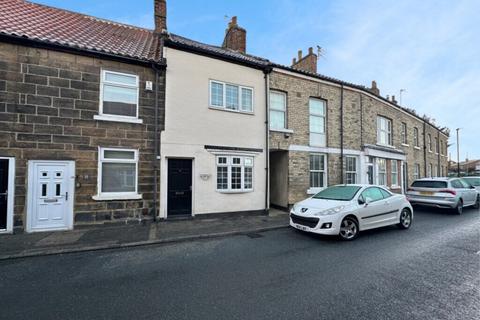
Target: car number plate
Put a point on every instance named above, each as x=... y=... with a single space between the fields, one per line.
x=426 y=193
x=303 y=228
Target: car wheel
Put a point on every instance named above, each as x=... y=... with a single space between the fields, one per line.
x=348 y=229
x=405 y=219
x=477 y=204
x=459 y=208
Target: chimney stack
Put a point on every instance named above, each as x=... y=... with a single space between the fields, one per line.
x=307 y=63
x=374 y=89
x=235 y=37
x=160 y=9
x=394 y=101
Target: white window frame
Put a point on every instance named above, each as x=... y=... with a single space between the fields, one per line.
x=429 y=142
x=312 y=189
x=416 y=171
x=394 y=173
x=430 y=170
x=318 y=115
x=382 y=172
x=387 y=131
x=223 y=107
x=435 y=171
x=404 y=135
x=284 y=110
x=415 y=138
x=116 y=195
x=229 y=166
x=351 y=172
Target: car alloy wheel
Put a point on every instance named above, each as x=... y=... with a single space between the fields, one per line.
x=405 y=219
x=459 y=208
x=477 y=204
x=348 y=229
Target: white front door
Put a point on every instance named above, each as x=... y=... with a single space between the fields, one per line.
x=50 y=195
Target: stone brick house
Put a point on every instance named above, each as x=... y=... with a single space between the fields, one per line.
x=324 y=131
x=81 y=101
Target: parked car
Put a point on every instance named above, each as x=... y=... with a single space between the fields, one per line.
x=474 y=181
x=450 y=193
x=345 y=210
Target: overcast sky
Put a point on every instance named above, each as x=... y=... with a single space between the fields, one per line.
x=429 y=48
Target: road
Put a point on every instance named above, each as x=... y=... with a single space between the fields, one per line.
x=431 y=271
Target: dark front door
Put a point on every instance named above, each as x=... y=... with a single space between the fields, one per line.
x=3 y=192
x=179 y=200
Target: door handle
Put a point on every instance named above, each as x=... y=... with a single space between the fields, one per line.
x=66 y=196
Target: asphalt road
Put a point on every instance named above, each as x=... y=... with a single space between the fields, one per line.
x=431 y=271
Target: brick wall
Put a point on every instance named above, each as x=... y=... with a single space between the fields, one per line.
x=360 y=128
x=47 y=103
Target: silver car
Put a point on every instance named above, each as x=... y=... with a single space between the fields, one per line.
x=474 y=181
x=451 y=193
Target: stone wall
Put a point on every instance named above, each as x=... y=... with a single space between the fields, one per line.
x=47 y=103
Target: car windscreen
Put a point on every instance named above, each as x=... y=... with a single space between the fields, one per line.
x=429 y=184
x=473 y=181
x=341 y=193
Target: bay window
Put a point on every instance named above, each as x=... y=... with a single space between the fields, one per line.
x=234 y=173
x=394 y=167
x=382 y=171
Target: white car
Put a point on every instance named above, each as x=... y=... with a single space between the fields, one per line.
x=345 y=210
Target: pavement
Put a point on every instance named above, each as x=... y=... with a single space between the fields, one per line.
x=429 y=272
x=103 y=237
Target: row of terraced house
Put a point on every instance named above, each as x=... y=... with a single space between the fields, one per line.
x=102 y=121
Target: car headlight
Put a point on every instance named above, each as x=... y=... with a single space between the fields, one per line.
x=330 y=211
x=294 y=208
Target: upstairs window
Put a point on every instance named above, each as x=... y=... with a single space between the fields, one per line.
x=384 y=131
x=416 y=171
x=415 y=137
x=231 y=97
x=404 y=133
x=429 y=142
x=278 y=110
x=234 y=174
x=119 y=95
x=317 y=122
x=436 y=145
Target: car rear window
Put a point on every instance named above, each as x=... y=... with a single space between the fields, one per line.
x=429 y=184
x=342 y=193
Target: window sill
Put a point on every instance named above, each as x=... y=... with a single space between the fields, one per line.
x=418 y=148
x=117 y=119
x=230 y=110
x=282 y=130
x=234 y=191
x=405 y=145
x=386 y=145
x=129 y=196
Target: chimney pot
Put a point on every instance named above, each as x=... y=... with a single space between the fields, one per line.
x=374 y=89
x=234 y=20
x=300 y=54
x=294 y=61
x=310 y=50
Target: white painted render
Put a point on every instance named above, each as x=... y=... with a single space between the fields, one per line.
x=190 y=124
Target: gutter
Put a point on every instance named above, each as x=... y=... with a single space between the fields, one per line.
x=342 y=179
x=267 y=72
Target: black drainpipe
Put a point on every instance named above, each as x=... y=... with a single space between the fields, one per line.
x=341 y=135
x=361 y=121
x=266 y=72
x=155 y=153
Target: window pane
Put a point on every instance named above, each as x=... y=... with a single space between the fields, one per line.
x=247 y=99
x=248 y=162
x=217 y=94
x=222 y=160
x=114 y=154
x=248 y=172
x=120 y=78
x=118 y=177
x=373 y=193
x=222 y=178
x=232 y=97
x=277 y=119
x=277 y=101
x=120 y=101
x=236 y=178
x=317 y=107
x=58 y=189
x=317 y=124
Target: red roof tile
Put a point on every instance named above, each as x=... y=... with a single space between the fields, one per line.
x=47 y=24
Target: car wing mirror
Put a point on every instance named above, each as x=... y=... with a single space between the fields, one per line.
x=472 y=187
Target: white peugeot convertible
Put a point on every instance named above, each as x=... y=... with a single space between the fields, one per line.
x=345 y=210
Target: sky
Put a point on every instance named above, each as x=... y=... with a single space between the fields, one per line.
x=431 y=49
